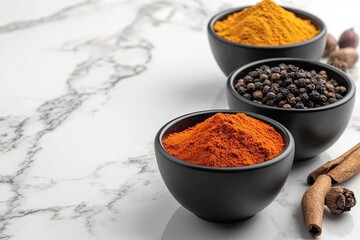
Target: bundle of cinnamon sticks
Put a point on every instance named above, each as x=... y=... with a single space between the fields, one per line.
x=338 y=199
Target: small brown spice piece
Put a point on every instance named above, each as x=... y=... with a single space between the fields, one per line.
x=349 y=38
x=340 y=199
x=330 y=45
x=338 y=63
x=348 y=55
x=312 y=204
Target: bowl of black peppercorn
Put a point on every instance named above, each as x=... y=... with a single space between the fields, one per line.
x=312 y=99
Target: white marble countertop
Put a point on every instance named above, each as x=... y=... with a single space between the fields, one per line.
x=84 y=87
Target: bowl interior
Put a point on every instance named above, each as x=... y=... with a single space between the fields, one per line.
x=299 y=13
x=181 y=123
x=332 y=73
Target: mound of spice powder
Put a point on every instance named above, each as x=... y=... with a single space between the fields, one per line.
x=265 y=24
x=226 y=140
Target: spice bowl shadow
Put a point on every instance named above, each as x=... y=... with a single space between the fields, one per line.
x=223 y=194
x=230 y=55
x=314 y=129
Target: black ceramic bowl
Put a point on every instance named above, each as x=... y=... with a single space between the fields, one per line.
x=314 y=129
x=230 y=55
x=222 y=194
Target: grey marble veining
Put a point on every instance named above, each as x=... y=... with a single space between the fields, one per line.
x=72 y=168
x=97 y=74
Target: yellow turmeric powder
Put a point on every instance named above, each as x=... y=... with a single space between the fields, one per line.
x=265 y=24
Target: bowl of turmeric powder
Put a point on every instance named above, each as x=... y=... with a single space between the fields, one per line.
x=222 y=165
x=265 y=30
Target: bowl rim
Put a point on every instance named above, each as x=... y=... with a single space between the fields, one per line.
x=286 y=60
x=285 y=133
x=313 y=18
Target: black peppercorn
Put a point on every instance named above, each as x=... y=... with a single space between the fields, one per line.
x=263 y=77
x=332 y=100
x=280 y=82
x=302 y=90
x=301 y=82
x=292 y=88
x=279 y=96
x=340 y=89
x=241 y=90
x=286 y=106
x=300 y=75
x=247 y=79
x=275 y=70
x=322 y=98
x=266 y=89
x=338 y=96
x=310 y=104
x=291 y=74
x=291 y=100
x=320 y=86
x=304 y=97
x=288 y=86
x=284 y=91
x=282 y=66
x=314 y=81
x=270 y=96
x=307 y=74
x=267 y=71
x=274 y=88
x=275 y=76
x=314 y=95
x=257 y=95
x=299 y=105
x=263 y=67
x=307 y=81
x=258 y=85
x=288 y=81
x=281 y=103
x=283 y=74
x=239 y=83
x=267 y=82
x=270 y=103
x=329 y=94
x=247 y=96
x=253 y=74
x=293 y=68
x=310 y=86
x=322 y=73
x=250 y=86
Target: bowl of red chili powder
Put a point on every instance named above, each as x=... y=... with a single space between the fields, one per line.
x=265 y=30
x=222 y=165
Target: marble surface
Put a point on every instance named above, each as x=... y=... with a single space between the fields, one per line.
x=84 y=87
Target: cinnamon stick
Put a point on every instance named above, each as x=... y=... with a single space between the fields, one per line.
x=340 y=199
x=312 y=204
x=327 y=167
x=346 y=169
